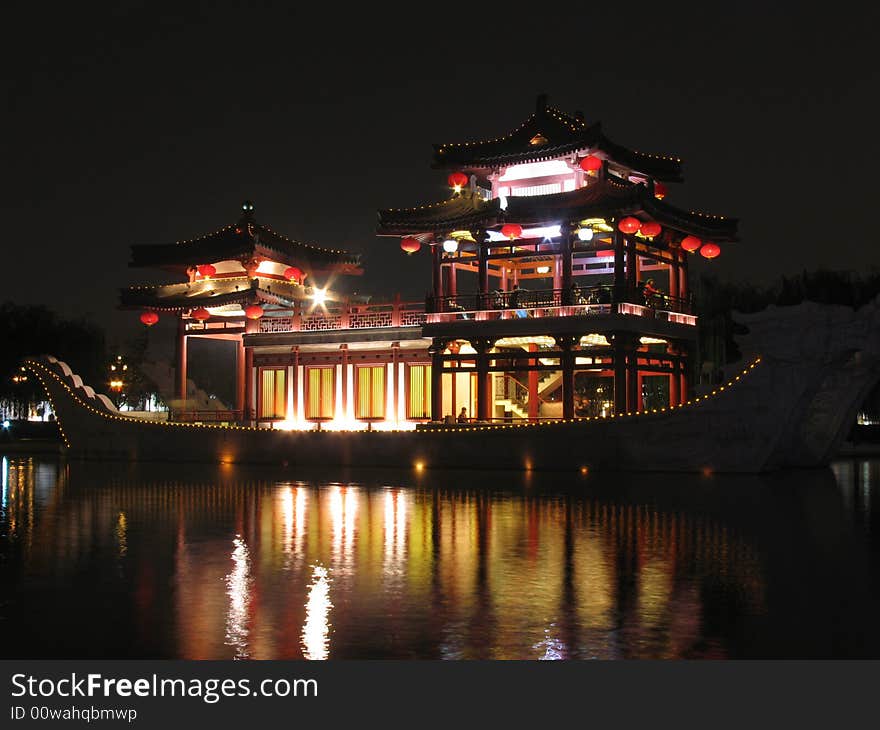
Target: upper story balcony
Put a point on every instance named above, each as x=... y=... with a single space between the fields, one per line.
x=552 y=303
x=344 y=316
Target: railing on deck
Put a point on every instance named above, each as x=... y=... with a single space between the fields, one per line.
x=206 y=416
x=340 y=316
x=559 y=302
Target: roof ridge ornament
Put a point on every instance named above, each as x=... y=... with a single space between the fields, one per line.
x=247 y=211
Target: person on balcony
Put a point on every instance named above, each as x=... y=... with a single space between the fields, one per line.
x=650 y=293
x=463 y=416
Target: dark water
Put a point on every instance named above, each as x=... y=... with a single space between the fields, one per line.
x=204 y=563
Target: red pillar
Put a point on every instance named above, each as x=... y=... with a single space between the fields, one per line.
x=674 y=385
x=240 y=376
x=250 y=325
x=567 y=377
x=343 y=373
x=619 y=375
x=396 y=393
x=437 y=270
x=436 y=352
x=249 y=384
x=534 y=405
x=484 y=406
x=632 y=380
x=180 y=369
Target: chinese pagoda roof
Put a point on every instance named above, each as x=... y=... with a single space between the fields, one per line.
x=211 y=293
x=608 y=198
x=547 y=134
x=245 y=239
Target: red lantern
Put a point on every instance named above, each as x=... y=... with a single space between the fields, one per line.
x=254 y=311
x=149 y=318
x=659 y=191
x=651 y=229
x=629 y=224
x=410 y=245
x=710 y=250
x=201 y=314
x=591 y=163
x=691 y=243
x=293 y=273
x=457 y=180
x=207 y=270
x=511 y=230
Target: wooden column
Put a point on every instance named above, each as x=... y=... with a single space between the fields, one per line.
x=684 y=378
x=683 y=278
x=567 y=235
x=632 y=379
x=396 y=393
x=631 y=281
x=250 y=326
x=482 y=241
x=249 y=384
x=567 y=363
x=240 y=376
x=436 y=352
x=619 y=375
x=674 y=380
x=343 y=359
x=534 y=405
x=484 y=396
x=298 y=408
x=180 y=358
x=619 y=281
x=452 y=286
x=436 y=256
x=673 y=275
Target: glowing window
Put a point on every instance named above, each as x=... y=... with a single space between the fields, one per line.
x=419 y=402
x=370 y=391
x=319 y=399
x=273 y=393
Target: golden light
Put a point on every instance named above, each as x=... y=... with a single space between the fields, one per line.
x=238 y=590
x=316 y=630
x=319 y=296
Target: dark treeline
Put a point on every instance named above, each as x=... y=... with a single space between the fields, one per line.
x=37 y=330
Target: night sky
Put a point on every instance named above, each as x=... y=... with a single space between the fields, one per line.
x=133 y=125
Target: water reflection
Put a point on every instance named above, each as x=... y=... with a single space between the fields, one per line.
x=316 y=631
x=168 y=562
x=238 y=590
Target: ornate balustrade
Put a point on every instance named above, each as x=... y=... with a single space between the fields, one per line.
x=342 y=316
x=577 y=301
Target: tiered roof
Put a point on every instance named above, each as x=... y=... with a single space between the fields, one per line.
x=611 y=197
x=546 y=134
x=241 y=240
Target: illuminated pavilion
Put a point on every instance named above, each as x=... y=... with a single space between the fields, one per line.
x=307 y=355
x=559 y=290
x=559 y=272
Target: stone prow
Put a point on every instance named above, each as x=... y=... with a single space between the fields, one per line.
x=832 y=355
x=84 y=392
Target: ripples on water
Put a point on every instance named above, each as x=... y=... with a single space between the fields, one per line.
x=228 y=562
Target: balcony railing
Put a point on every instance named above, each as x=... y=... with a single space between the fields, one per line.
x=576 y=301
x=339 y=316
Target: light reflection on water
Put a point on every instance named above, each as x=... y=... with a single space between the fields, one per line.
x=200 y=563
